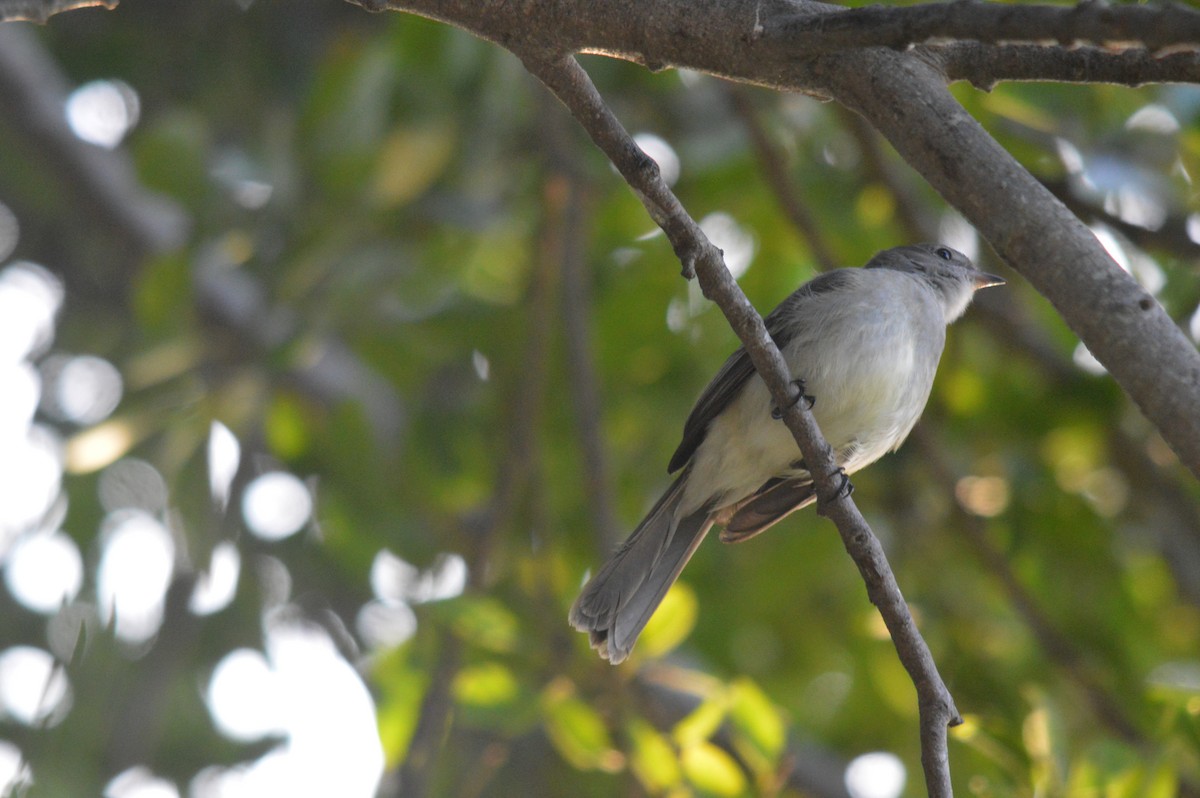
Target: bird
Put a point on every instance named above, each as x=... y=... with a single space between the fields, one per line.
x=864 y=344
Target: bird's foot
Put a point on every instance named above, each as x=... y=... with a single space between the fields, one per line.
x=809 y=401
x=843 y=490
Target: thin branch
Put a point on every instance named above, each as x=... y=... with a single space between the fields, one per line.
x=911 y=209
x=985 y=65
x=569 y=191
x=105 y=184
x=1060 y=648
x=571 y=84
x=33 y=91
x=1171 y=236
x=1155 y=27
x=773 y=167
x=581 y=374
x=482 y=531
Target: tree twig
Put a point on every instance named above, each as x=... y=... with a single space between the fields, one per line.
x=568 y=81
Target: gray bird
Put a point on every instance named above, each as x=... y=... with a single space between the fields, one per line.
x=866 y=344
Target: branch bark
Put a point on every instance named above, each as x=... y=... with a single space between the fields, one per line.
x=1154 y=27
x=985 y=65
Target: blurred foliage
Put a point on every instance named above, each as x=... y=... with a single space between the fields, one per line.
x=419 y=184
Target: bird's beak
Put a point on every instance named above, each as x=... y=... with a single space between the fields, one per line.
x=985 y=280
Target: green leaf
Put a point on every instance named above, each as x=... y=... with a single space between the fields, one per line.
x=702 y=722
x=712 y=770
x=488 y=684
x=757 y=723
x=652 y=758
x=577 y=730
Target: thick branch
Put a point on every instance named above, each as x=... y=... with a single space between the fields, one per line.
x=572 y=86
x=1155 y=27
x=985 y=65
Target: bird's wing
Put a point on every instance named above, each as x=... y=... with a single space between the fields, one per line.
x=773 y=502
x=783 y=323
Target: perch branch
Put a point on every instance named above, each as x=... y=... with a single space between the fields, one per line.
x=571 y=84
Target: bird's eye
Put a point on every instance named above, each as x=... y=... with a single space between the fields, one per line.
x=944 y=253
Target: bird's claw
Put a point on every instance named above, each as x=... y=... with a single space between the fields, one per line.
x=843 y=490
x=809 y=401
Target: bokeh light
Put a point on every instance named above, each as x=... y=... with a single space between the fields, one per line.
x=879 y=774
x=276 y=505
x=217 y=585
x=241 y=698
x=10 y=231
x=19 y=399
x=385 y=624
x=735 y=241
x=44 y=571
x=663 y=154
x=14 y=770
x=135 y=570
x=102 y=112
x=30 y=297
x=132 y=484
x=332 y=744
x=140 y=782
x=224 y=455
x=33 y=688
x=394 y=579
x=80 y=389
x=30 y=477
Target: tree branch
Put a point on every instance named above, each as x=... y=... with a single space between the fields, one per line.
x=905 y=98
x=40 y=11
x=985 y=65
x=568 y=81
x=1156 y=27
x=1123 y=326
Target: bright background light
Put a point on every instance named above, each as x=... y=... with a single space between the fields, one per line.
x=102 y=112
x=276 y=505
x=140 y=782
x=33 y=688
x=44 y=571
x=879 y=774
x=331 y=741
x=136 y=565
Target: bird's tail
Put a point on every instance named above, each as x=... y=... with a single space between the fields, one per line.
x=618 y=601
